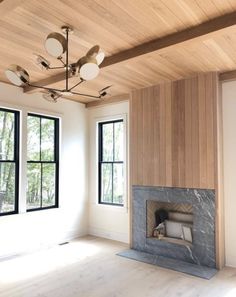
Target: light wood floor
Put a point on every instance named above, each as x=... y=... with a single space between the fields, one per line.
x=89 y=267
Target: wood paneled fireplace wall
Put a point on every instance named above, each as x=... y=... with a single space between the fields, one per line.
x=175 y=139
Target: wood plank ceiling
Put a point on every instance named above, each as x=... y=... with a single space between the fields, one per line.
x=118 y=25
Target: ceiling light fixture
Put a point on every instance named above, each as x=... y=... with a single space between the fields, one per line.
x=17 y=75
x=56 y=45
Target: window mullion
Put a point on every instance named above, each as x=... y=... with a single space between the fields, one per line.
x=41 y=186
x=112 y=185
x=113 y=140
x=40 y=139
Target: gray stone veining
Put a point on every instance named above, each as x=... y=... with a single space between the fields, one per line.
x=203 y=201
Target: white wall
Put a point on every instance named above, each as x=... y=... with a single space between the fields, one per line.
x=26 y=231
x=229 y=146
x=105 y=220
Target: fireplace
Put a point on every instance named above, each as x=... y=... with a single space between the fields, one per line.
x=169 y=222
x=197 y=208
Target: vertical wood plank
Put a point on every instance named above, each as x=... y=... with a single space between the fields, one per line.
x=188 y=134
x=210 y=98
x=133 y=138
x=202 y=131
x=168 y=125
x=218 y=171
x=139 y=119
x=195 y=134
x=162 y=142
x=181 y=132
x=174 y=138
x=156 y=134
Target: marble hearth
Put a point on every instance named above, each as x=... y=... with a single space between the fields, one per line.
x=202 y=251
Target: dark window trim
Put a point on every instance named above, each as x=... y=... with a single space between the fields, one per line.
x=15 y=159
x=56 y=161
x=100 y=160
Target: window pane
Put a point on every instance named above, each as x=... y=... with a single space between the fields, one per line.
x=7 y=187
x=6 y=135
x=47 y=140
x=107 y=144
x=33 y=138
x=106 y=183
x=48 y=185
x=33 y=185
x=118 y=184
x=119 y=141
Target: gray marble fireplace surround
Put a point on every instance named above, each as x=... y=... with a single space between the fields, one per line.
x=202 y=252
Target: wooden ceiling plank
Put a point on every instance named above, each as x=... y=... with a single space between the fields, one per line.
x=114 y=99
x=201 y=30
x=223 y=6
x=184 y=11
x=156 y=45
x=8 y=6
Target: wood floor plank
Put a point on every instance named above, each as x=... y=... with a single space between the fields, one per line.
x=90 y=267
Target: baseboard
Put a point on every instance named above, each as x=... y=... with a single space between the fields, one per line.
x=118 y=236
x=231 y=262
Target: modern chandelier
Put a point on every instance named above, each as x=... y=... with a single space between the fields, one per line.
x=57 y=45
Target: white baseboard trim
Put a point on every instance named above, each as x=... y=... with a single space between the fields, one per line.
x=118 y=236
x=231 y=263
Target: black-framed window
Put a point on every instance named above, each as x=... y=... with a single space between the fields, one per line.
x=111 y=162
x=9 y=161
x=42 y=162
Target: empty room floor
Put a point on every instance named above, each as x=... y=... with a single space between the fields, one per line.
x=89 y=267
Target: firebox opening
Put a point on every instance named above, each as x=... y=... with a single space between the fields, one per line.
x=171 y=222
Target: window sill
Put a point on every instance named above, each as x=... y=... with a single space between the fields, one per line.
x=110 y=207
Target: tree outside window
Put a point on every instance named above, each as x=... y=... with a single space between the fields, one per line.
x=9 y=161
x=111 y=162
x=42 y=164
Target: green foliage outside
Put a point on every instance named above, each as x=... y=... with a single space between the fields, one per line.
x=7 y=169
x=40 y=176
x=113 y=135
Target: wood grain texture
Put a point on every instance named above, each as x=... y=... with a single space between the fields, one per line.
x=202 y=30
x=7 y=6
x=173 y=137
x=227 y=76
x=90 y=267
x=119 y=26
x=219 y=180
x=109 y=100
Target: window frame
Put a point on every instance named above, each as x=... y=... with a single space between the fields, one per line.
x=100 y=161
x=55 y=161
x=16 y=159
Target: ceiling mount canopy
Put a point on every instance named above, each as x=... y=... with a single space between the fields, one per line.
x=57 y=46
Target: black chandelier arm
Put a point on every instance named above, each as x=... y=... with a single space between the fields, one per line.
x=44 y=88
x=61 y=60
x=80 y=82
x=87 y=95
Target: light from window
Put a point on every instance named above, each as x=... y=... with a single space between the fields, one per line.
x=42 y=164
x=9 y=161
x=111 y=162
